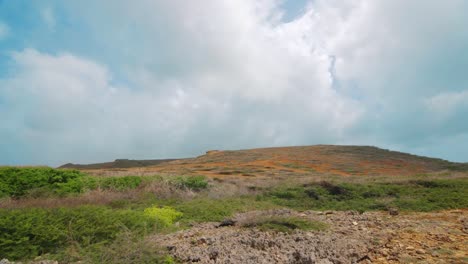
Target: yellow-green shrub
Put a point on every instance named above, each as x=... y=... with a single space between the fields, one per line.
x=165 y=215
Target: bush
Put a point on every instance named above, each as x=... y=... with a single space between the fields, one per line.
x=424 y=195
x=287 y=194
x=191 y=182
x=128 y=247
x=26 y=233
x=17 y=182
x=40 y=182
x=212 y=210
x=165 y=215
x=120 y=183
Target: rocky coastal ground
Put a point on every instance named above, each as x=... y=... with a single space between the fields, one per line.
x=351 y=237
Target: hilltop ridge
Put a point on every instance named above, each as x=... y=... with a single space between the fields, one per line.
x=118 y=163
x=317 y=159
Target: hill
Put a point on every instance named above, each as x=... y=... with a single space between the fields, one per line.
x=118 y=163
x=308 y=204
x=304 y=160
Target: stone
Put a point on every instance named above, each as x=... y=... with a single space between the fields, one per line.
x=213 y=254
x=170 y=248
x=227 y=222
x=420 y=251
x=393 y=211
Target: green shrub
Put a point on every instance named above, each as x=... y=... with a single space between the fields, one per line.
x=120 y=183
x=191 y=182
x=210 y=210
x=165 y=215
x=128 y=247
x=287 y=194
x=17 y=182
x=40 y=182
x=26 y=233
x=424 y=195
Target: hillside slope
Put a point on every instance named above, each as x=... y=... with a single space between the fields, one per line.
x=118 y=163
x=318 y=159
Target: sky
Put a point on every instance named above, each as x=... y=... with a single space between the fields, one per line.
x=91 y=81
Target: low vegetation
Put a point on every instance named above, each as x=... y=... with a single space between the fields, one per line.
x=84 y=232
x=165 y=215
x=43 y=181
x=418 y=195
x=17 y=182
x=119 y=183
x=115 y=230
x=32 y=232
x=195 y=183
x=463 y=167
x=211 y=210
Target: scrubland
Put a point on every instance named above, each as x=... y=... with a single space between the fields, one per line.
x=100 y=217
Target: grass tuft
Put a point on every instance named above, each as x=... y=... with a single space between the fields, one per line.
x=195 y=183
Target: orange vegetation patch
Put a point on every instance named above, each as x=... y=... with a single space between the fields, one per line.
x=311 y=160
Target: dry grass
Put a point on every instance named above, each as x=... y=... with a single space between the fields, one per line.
x=164 y=189
x=225 y=187
x=161 y=189
x=95 y=197
x=129 y=248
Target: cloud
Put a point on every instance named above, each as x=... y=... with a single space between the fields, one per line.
x=63 y=100
x=176 y=78
x=447 y=103
x=47 y=15
x=4 y=30
x=395 y=57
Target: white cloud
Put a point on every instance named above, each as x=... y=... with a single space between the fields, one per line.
x=68 y=106
x=445 y=104
x=390 y=56
x=47 y=15
x=232 y=74
x=63 y=100
x=4 y=30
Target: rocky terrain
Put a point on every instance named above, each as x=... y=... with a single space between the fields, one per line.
x=279 y=205
x=351 y=237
